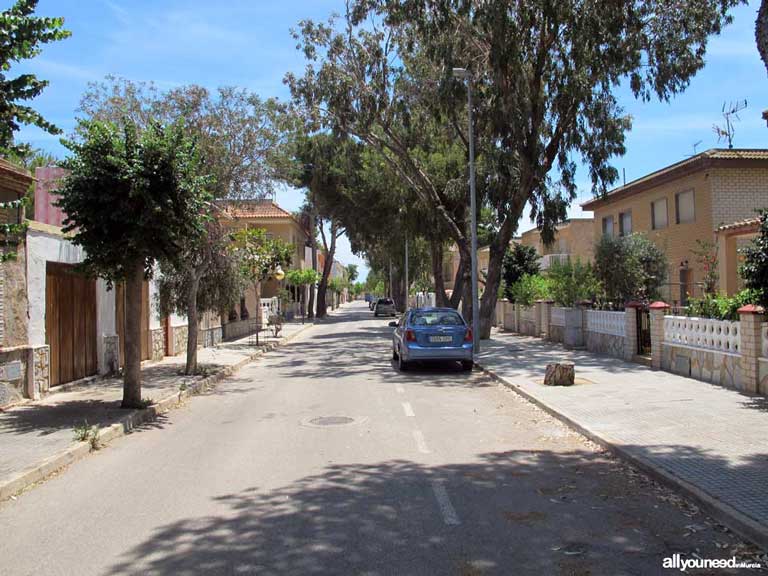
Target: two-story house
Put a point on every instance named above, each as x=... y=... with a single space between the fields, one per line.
x=686 y=202
x=574 y=241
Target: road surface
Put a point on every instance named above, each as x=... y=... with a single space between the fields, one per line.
x=321 y=458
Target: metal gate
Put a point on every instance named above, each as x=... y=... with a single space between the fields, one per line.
x=643 y=331
x=70 y=323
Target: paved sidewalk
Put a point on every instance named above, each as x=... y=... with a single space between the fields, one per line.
x=709 y=440
x=37 y=438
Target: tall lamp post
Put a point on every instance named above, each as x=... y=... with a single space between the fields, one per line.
x=464 y=74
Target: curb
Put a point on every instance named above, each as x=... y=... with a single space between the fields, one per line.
x=724 y=513
x=130 y=421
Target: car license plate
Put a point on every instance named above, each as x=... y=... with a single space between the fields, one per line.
x=436 y=339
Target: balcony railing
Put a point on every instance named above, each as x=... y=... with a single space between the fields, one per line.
x=546 y=262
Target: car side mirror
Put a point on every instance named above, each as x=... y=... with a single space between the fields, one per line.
x=393 y=324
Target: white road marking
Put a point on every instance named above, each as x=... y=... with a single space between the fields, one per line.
x=399 y=388
x=408 y=409
x=421 y=443
x=444 y=502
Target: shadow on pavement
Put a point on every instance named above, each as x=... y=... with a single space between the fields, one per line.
x=521 y=512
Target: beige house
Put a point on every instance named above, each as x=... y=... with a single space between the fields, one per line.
x=278 y=223
x=574 y=240
x=685 y=202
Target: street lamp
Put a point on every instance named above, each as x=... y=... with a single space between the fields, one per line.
x=464 y=74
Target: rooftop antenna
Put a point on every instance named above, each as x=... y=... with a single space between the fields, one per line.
x=624 y=174
x=696 y=145
x=729 y=113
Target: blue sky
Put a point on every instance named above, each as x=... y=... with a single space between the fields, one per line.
x=247 y=43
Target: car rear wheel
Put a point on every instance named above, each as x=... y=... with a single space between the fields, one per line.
x=467 y=365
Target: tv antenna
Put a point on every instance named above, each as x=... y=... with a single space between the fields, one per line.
x=729 y=113
x=696 y=145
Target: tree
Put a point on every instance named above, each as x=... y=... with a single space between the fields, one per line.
x=352 y=273
x=629 y=268
x=259 y=256
x=204 y=278
x=21 y=37
x=761 y=32
x=544 y=75
x=754 y=270
x=519 y=261
x=300 y=279
x=239 y=135
x=132 y=197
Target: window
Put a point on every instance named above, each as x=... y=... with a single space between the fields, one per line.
x=684 y=206
x=625 y=223
x=659 y=214
x=608 y=226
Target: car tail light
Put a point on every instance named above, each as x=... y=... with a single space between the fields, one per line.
x=410 y=336
x=468 y=335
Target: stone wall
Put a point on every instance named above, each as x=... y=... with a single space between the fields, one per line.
x=235 y=330
x=42 y=370
x=608 y=344
x=707 y=365
x=112 y=354
x=556 y=333
x=13 y=375
x=13 y=299
x=157 y=340
x=179 y=339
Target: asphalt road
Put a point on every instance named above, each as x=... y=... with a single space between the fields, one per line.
x=438 y=472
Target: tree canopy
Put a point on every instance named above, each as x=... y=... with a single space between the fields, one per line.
x=22 y=35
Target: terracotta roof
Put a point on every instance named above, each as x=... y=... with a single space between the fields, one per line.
x=14 y=178
x=254 y=209
x=746 y=225
x=701 y=161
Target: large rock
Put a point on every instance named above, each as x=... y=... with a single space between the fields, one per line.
x=560 y=374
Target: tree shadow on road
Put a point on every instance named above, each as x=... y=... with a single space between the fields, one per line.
x=521 y=512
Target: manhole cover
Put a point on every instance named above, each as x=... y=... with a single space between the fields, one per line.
x=331 y=420
x=326 y=421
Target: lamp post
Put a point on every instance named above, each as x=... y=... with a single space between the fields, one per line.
x=464 y=74
x=407 y=295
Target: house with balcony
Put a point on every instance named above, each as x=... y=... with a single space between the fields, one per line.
x=696 y=199
x=574 y=241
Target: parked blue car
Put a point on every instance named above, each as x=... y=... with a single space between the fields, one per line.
x=431 y=334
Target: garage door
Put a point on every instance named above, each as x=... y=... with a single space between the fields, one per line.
x=70 y=323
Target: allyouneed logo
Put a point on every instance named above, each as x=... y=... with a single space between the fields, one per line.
x=683 y=564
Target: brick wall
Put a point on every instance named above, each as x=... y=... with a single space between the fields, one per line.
x=737 y=192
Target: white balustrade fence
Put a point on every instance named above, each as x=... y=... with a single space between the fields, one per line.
x=558 y=317
x=605 y=322
x=720 y=335
x=765 y=339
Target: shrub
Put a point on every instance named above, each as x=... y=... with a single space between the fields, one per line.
x=518 y=261
x=754 y=270
x=572 y=282
x=629 y=268
x=529 y=288
x=722 y=307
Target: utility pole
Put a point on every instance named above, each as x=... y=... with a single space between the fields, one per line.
x=391 y=295
x=406 y=272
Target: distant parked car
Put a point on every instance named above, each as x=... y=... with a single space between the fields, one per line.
x=431 y=334
x=384 y=307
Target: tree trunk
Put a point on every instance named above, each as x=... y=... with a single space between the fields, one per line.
x=134 y=287
x=761 y=32
x=313 y=243
x=458 y=285
x=465 y=255
x=497 y=249
x=257 y=292
x=322 y=289
x=192 y=326
x=436 y=249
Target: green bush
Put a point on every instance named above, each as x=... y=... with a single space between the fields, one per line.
x=721 y=307
x=629 y=268
x=754 y=271
x=572 y=282
x=529 y=288
x=518 y=261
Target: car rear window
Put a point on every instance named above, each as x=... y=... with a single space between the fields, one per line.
x=385 y=301
x=436 y=318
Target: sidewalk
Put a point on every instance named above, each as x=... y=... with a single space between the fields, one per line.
x=710 y=441
x=37 y=438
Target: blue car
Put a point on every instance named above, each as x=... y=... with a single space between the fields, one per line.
x=432 y=334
